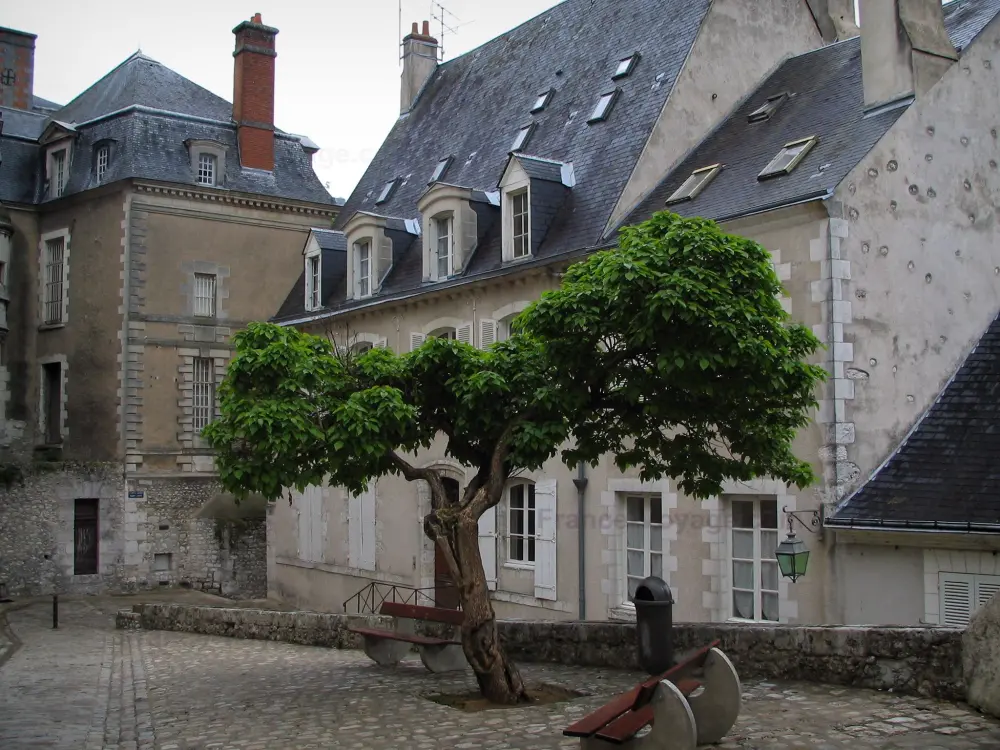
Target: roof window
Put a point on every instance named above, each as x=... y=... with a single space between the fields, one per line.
x=768 y=108
x=603 y=107
x=521 y=139
x=788 y=158
x=441 y=168
x=387 y=191
x=542 y=101
x=694 y=184
x=625 y=66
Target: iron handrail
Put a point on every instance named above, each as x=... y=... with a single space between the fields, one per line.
x=371 y=598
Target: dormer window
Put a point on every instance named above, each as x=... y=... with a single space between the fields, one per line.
x=521 y=231
x=603 y=107
x=207 y=169
x=625 y=66
x=542 y=101
x=444 y=239
x=58 y=172
x=313 y=283
x=768 y=108
x=694 y=184
x=208 y=162
x=387 y=190
x=522 y=137
x=102 y=160
x=788 y=158
x=363 y=263
x=440 y=169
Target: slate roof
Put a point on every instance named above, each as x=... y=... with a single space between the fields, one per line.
x=147 y=111
x=474 y=105
x=946 y=473
x=827 y=100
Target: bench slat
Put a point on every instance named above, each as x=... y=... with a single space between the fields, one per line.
x=429 y=614
x=626 y=726
x=607 y=713
x=392 y=635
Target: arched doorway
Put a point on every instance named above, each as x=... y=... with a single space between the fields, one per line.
x=445 y=593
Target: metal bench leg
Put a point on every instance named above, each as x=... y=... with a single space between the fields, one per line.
x=717 y=706
x=445 y=658
x=385 y=652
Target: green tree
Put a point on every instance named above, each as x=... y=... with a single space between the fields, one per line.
x=670 y=353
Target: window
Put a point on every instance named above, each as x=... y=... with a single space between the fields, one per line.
x=52 y=403
x=962 y=594
x=58 y=175
x=440 y=169
x=755 y=569
x=55 y=275
x=603 y=107
x=788 y=158
x=521 y=523
x=363 y=254
x=522 y=137
x=443 y=237
x=626 y=66
x=103 y=156
x=449 y=334
x=361 y=347
x=204 y=295
x=643 y=539
x=207 y=164
x=768 y=108
x=519 y=217
x=313 y=283
x=204 y=393
x=387 y=190
x=542 y=101
x=85 y=517
x=694 y=184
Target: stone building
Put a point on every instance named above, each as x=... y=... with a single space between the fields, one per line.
x=142 y=223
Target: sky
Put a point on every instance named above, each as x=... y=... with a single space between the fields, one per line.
x=337 y=71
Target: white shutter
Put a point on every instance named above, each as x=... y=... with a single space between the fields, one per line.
x=416 y=339
x=545 y=544
x=986 y=588
x=488 y=546
x=302 y=524
x=487 y=333
x=956 y=591
x=383 y=342
x=368 y=528
x=464 y=333
x=317 y=528
x=354 y=531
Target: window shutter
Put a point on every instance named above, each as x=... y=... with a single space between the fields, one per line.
x=302 y=525
x=488 y=546
x=487 y=333
x=383 y=342
x=416 y=339
x=545 y=544
x=464 y=333
x=956 y=591
x=368 y=528
x=986 y=588
x=316 y=526
x=354 y=531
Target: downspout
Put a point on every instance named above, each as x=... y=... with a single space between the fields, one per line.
x=581 y=488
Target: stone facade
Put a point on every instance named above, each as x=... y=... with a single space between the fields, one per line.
x=908 y=661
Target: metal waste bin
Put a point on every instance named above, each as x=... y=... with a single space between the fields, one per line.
x=654 y=614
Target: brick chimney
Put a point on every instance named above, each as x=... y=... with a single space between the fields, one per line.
x=17 y=68
x=905 y=48
x=420 y=60
x=253 y=93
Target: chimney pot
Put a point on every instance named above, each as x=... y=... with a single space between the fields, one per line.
x=427 y=28
x=256 y=18
x=420 y=60
x=415 y=29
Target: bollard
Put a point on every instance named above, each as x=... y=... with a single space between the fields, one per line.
x=55 y=611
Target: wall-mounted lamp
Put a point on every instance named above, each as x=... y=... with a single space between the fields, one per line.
x=792 y=554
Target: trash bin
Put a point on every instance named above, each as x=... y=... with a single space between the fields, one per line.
x=654 y=614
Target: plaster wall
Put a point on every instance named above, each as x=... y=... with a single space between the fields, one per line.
x=880 y=585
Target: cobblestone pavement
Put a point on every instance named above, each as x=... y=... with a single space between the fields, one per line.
x=87 y=686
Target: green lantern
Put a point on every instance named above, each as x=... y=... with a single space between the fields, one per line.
x=793 y=557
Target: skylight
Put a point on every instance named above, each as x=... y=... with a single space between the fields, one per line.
x=387 y=191
x=694 y=184
x=604 y=105
x=542 y=101
x=625 y=66
x=768 y=108
x=788 y=158
x=440 y=169
x=521 y=139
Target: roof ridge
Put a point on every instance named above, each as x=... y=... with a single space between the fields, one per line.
x=137 y=55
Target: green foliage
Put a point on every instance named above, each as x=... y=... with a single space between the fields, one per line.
x=671 y=352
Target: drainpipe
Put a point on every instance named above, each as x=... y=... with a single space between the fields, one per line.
x=581 y=488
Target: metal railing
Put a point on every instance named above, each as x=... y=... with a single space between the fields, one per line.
x=370 y=599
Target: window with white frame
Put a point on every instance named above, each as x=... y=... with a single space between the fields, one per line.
x=520 y=226
x=755 y=568
x=55 y=279
x=444 y=239
x=207 y=164
x=363 y=257
x=643 y=539
x=204 y=295
x=103 y=157
x=313 y=283
x=521 y=533
x=58 y=175
x=204 y=392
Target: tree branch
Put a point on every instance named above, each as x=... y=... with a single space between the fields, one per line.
x=490 y=494
x=412 y=473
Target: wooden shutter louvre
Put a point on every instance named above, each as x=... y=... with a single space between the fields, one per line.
x=986 y=588
x=354 y=531
x=956 y=591
x=487 y=333
x=416 y=340
x=545 y=542
x=464 y=333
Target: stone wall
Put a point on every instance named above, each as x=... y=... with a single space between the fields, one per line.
x=909 y=661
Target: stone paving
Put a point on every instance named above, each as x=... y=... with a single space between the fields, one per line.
x=89 y=687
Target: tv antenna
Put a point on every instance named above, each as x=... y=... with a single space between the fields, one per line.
x=452 y=24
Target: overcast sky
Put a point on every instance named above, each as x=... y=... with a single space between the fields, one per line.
x=337 y=76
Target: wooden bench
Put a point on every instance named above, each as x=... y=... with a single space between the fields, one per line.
x=388 y=647
x=696 y=702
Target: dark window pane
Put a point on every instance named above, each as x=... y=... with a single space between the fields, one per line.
x=655 y=510
x=742 y=514
x=769 y=514
x=531 y=549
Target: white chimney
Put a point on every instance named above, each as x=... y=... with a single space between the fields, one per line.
x=834 y=18
x=420 y=60
x=905 y=48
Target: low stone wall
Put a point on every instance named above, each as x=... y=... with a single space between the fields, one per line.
x=909 y=661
